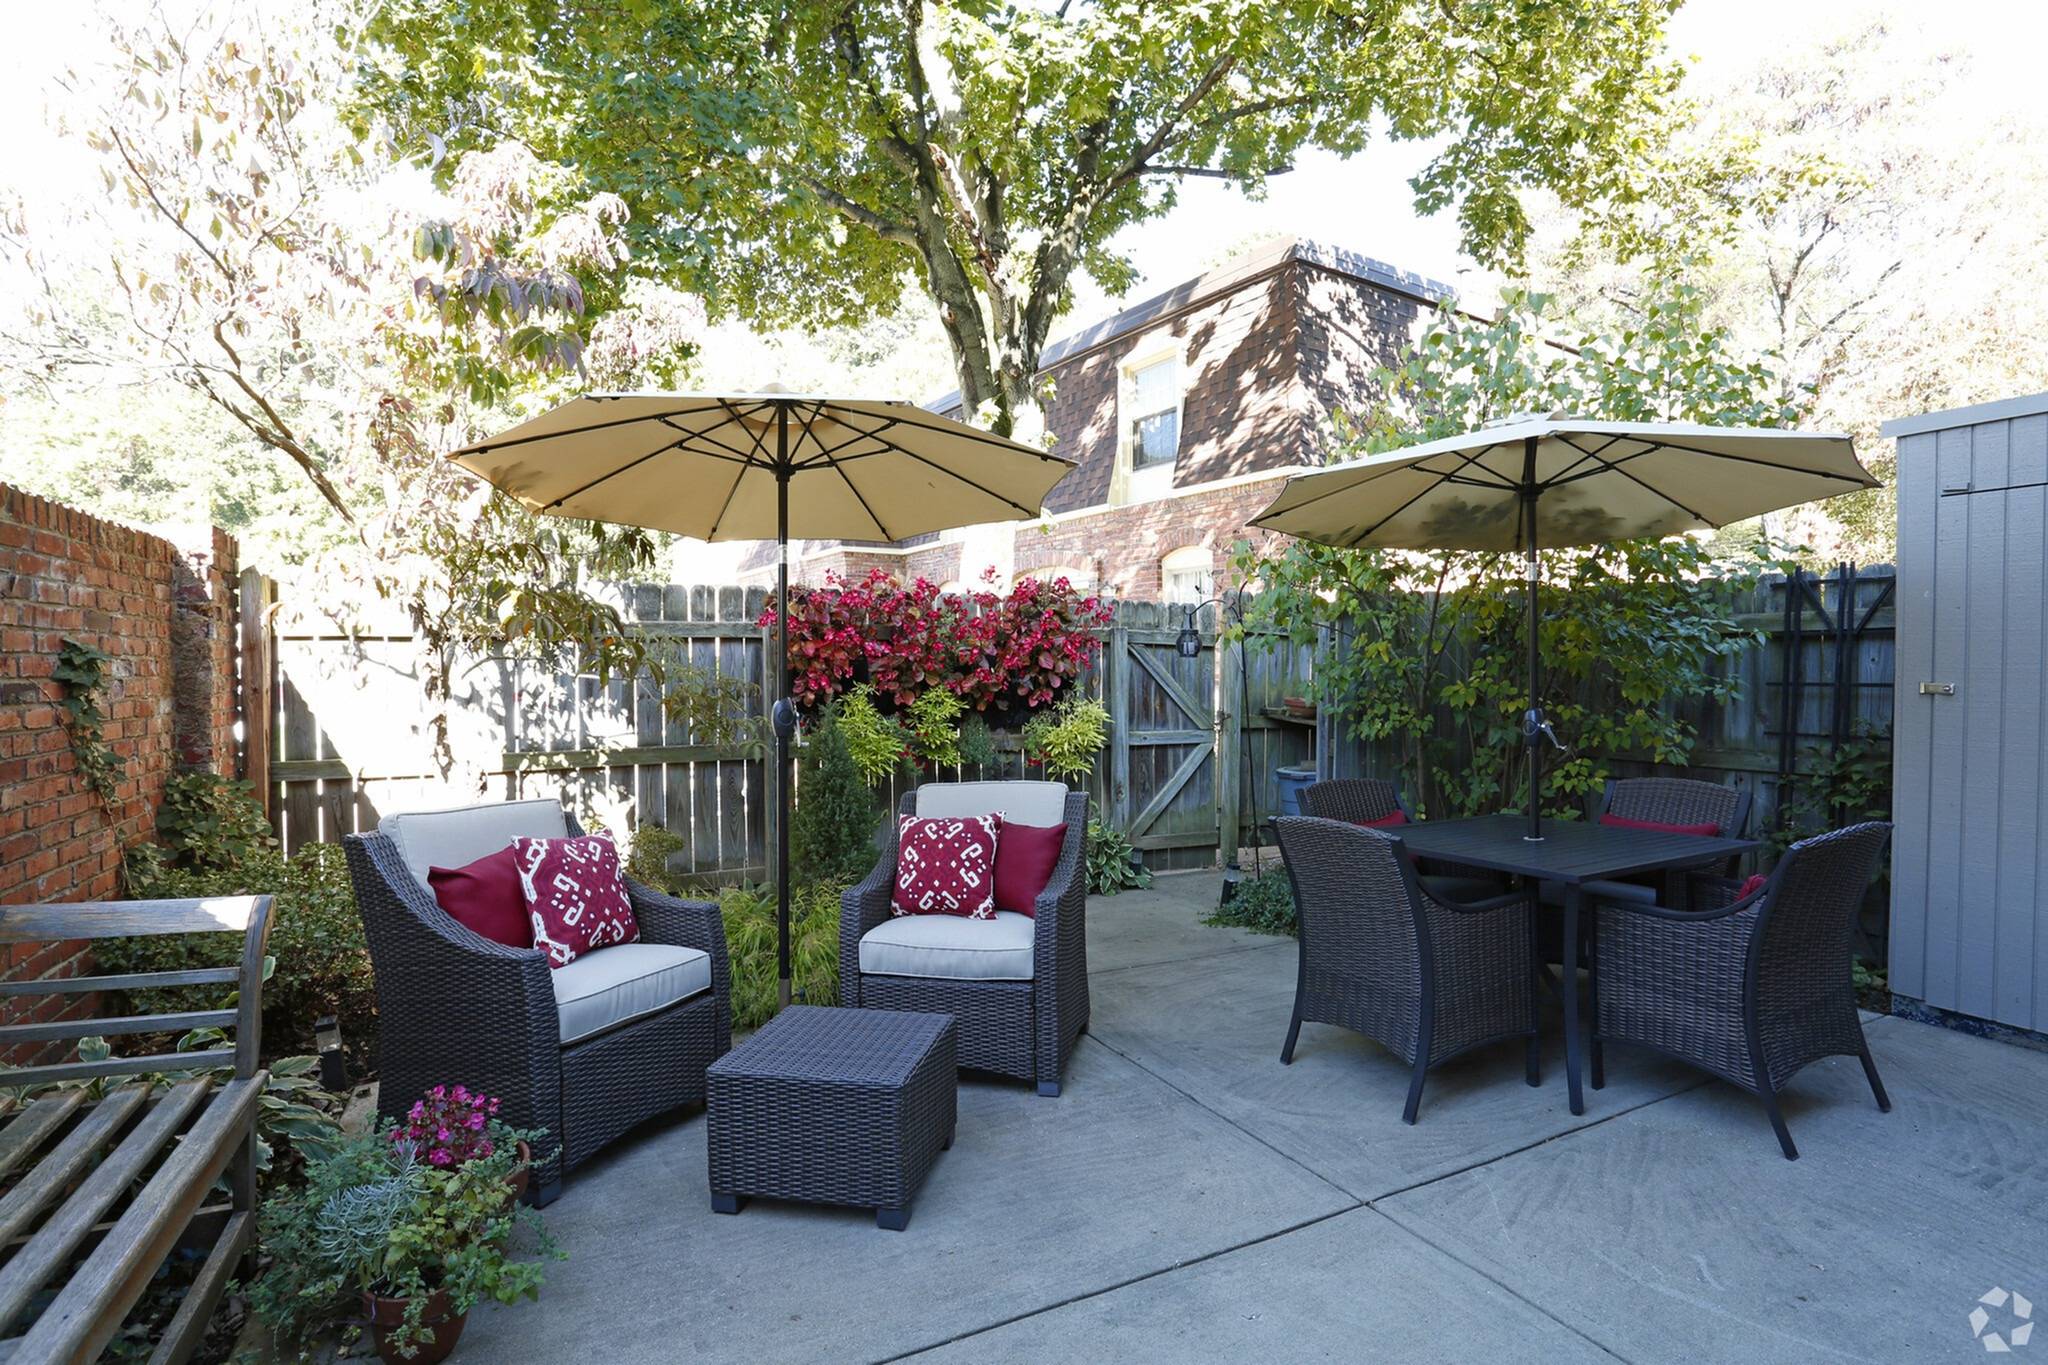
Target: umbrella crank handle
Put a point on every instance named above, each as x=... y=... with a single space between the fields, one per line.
x=1534 y=725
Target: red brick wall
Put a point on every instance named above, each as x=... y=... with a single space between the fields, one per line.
x=168 y=623
x=1122 y=546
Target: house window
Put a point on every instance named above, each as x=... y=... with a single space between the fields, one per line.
x=1152 y=415
x=1187 y=574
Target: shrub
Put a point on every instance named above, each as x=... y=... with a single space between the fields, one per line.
x=648 y=850
x=1067 y=738
x=1110 y=867
x=1263 y=904
x=877 y=742
x=997 y=651
x=209 y=821
x=750 y=941
x=316 y=941
x=832 y=836
x=933 y=721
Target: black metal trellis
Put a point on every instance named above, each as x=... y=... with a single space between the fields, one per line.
x=1845 y=625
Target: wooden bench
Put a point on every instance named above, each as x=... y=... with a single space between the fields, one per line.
x=81 y=1167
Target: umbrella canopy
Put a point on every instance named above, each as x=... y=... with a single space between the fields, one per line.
x=1558 y=481
x=1595 y=482
x=710 y=466
x=758 y=467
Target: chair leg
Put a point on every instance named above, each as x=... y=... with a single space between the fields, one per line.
x=1415 y=1090
x=1769 y=1095
x=1293 y=1032
x=1532 y=1061
x=1884 y=1101
x=1049 y=1089
x=1596 y=1053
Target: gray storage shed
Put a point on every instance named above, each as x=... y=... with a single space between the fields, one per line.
x=1969 y=932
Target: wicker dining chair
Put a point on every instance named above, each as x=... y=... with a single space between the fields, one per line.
x=1665 y=801
x=1016 y=985
x=1426 y=978
x=1360 y=800
x=1752 y=990
x=586 y=1051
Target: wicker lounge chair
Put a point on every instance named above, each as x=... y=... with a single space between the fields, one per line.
x=1016 y=986
x=1426 y=978
x=1752 y=990
x=586 y=1051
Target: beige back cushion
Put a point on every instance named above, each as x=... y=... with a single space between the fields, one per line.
x=451 y=838
x=1022 y=803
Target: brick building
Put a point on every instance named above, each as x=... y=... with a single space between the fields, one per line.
x=1183 y=414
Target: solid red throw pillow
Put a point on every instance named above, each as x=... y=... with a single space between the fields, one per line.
x=1701 y=831
x=485 y=896
x=1752 y=886
x=1025 y=858
x=574 y=895
x=1399 y=817
x=947 y=866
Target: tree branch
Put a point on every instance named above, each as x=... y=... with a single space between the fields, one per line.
x=853 y=210
x=1216 y=172
x=164 y=209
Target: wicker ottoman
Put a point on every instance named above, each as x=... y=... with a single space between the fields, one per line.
x=832 y=1106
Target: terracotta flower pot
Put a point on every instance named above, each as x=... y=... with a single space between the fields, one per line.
x=442 y=1323
x=522 y=1174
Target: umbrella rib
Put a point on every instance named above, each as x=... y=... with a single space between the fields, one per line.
x=826 y=454
x=1751 y=459
x=489 y=446
x=682 y=441
x=1615 y=466
x=726 y=505
x=1566 y=475
x=971 y=433
x=630 y=464
x=834 y=464
x=1360 y=483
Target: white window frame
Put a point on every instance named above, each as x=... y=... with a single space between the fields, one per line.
x=1128 y=484
x=1206 y=583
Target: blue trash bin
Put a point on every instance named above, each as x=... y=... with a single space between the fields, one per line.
x=1291 y=781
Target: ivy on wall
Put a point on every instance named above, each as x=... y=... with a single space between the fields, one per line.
x=81 y=670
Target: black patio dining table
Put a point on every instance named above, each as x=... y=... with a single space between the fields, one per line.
x=1572 y=853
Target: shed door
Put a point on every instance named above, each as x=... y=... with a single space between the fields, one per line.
x=1970 y=879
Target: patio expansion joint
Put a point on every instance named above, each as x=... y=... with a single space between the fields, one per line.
x=1086 y=1295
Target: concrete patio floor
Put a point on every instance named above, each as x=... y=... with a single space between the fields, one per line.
x=1190 y=1199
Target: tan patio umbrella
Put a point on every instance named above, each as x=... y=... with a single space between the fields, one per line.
x=765 y=466
x=1561 y=481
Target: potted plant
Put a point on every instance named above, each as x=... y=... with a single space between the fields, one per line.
x=412 y=1231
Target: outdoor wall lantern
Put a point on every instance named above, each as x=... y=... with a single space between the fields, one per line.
x=333 y=1065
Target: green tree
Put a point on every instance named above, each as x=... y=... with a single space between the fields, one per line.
x=832 y=837
x=1432 y=664
x=795 y=159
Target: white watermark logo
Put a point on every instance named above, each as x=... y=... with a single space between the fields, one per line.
x=2018 y=1320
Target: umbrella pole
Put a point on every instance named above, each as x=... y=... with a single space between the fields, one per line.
x=1532 y=723
x=785 y=713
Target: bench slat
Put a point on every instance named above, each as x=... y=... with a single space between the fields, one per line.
x=188 y=1324
x=47 y=1251
x=127 y=981
x=67 y=1161
x=20 y=1138
x=114 y=1025
x=126 y=919
x=119 y=1066
x=90 y=1307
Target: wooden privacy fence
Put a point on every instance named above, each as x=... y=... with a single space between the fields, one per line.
x=351 y=734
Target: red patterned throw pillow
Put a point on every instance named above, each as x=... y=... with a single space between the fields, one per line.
x=947 y=866
x=574 y=895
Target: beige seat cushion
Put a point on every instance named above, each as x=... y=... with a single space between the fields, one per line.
x=1023 y=803
x=606 y=988
x=951 y=946
x=453 y=838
